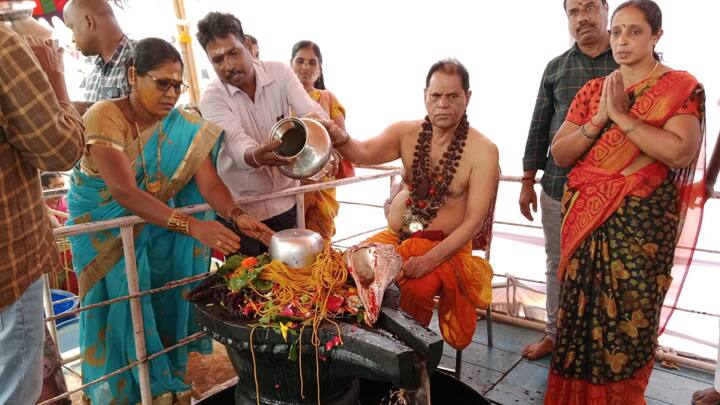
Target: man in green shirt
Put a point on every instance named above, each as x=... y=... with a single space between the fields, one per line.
x=588 y=58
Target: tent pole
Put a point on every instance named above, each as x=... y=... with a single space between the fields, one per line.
x=185 y=40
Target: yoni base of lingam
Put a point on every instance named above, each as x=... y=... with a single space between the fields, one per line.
x=302 y=335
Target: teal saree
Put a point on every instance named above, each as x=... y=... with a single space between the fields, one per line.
x=106 y=333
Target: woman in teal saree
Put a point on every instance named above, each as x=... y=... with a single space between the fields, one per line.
x=145 y=157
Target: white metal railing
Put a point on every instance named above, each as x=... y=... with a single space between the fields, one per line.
x=126 y=229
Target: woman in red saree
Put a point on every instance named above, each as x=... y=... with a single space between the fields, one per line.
x=634 y=138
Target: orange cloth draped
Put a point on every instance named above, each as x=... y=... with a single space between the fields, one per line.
x=321 y=208
x=564 y=391
x=332 y=106
x=463 y=282
x=328 y=102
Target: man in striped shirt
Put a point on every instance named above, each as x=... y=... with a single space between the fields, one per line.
x=39 y=130
x=588 y=58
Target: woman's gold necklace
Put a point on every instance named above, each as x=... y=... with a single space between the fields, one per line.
x=152 y=186
x=647 y=76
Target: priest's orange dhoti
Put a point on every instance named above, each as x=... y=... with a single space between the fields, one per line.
x=464 y=283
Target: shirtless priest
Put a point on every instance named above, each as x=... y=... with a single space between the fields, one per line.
x=451 y=178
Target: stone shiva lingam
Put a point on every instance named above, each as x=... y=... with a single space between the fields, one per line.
x=363 y=334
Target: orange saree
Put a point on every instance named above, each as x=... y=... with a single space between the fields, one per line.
x=463 y=282
x=321 y=207
x=618 y=250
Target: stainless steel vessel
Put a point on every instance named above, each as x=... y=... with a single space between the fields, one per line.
x=297 y=248
x=307 y=142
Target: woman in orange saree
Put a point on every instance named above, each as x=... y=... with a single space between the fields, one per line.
x=634 y=138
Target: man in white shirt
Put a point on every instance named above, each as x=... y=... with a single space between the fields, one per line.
x=246 y=99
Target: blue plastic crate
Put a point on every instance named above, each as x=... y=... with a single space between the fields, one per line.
x=62 y=307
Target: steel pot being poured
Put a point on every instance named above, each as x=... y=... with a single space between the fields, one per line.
x=307 y=142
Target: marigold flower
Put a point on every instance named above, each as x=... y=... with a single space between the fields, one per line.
x=249 y=262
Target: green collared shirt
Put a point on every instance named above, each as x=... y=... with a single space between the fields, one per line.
x=562 y=78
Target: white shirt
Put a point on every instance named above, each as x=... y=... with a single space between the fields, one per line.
x=247 y=124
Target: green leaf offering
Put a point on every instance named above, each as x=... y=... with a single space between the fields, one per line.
x=293 y=352
x=232 y=263
x=239 y=282
x=263 y=285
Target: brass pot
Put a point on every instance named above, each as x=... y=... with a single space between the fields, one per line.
x=297 y=248
x=307 y=143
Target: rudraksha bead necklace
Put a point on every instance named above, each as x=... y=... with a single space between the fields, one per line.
x=429 y=186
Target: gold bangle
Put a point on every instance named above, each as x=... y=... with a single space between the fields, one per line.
x=634 y=125
x=586 y=134
x=179 y=222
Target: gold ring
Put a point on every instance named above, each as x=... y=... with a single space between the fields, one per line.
x=218 y=243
